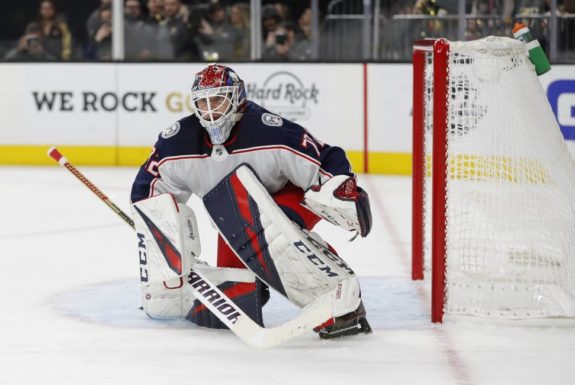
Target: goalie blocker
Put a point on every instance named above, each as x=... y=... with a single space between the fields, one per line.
x=296 y=263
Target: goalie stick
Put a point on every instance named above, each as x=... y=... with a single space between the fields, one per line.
x=62 y=161
x=312 y=315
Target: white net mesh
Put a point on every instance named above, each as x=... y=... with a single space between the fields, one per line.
x=510 y=189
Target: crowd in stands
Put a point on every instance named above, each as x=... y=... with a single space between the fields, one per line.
x=497 y=16
x=406 y=21
x=46 y=38
x=220 y=30
x=193 y=30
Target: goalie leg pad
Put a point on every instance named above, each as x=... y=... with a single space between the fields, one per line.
x=273 y=247
x=168 y=244
x=168 y=299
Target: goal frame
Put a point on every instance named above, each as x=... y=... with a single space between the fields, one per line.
x=493 y=199
x=439 y=48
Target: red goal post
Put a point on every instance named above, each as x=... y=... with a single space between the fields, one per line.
x=422 y=52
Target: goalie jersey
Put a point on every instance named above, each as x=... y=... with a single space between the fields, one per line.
x=184 y=161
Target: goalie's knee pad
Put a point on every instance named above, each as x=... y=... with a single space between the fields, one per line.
x=290 y=260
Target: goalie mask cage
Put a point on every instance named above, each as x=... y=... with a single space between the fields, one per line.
x=493 y=184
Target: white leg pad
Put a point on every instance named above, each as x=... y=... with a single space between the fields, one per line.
x=169 y=247
x=173 y=298
x=293 y=262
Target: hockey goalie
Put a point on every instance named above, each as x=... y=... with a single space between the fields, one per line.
x=265 y=183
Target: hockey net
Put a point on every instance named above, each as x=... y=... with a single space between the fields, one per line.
x=494 y=184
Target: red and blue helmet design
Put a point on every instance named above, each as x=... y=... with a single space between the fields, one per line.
x=219 y=98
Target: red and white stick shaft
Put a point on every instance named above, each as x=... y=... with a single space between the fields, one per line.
x=61 y=159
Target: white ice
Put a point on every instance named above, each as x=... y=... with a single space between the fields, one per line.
x=69 y=295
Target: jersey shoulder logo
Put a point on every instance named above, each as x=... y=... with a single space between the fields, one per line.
x=171 y=131
x=272 y=120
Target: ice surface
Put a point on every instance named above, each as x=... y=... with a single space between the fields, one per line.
x=69 y=292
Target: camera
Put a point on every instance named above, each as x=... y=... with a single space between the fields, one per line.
x=281 y=38
x=32 y=40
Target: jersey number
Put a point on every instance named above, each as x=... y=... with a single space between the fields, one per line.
x=309 y=140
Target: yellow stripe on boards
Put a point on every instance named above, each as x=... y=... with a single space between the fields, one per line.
x=390 y=163
x=133 y=156
x=37 y=155
x=356 y=160
x=378 y=162
x=78 y=155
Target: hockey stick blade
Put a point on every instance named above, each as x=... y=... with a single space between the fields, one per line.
x=249 y=331
x=222 y=306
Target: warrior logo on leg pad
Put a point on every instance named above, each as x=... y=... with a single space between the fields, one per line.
x=222 y=304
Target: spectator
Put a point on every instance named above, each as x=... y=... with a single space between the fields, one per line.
x=283 y=40
x=93 y=22
x=102 y=38
x=240 y=20
x=176 y=21
x=29 y=46
x=57 y=39
x=432 y=27
x=302 y=46
x=183 y=11
x=155 y=11
x=429 y=7
x=397 y=36
x=474 y=29
x=527 y=12
x=270 y=22
x=132 y=11
x=283 y=11
x=530 y=7
x=218 y=38
x=507 y=10
x=160 y=43
x=139 y=36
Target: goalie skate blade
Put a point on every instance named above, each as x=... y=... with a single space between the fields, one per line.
x=362 y=327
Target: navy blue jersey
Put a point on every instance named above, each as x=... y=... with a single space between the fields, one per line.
x=184 y=162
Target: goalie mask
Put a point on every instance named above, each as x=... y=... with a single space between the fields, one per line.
x=219 y=97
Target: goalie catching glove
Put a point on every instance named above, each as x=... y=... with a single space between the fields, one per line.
x=341 y=202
